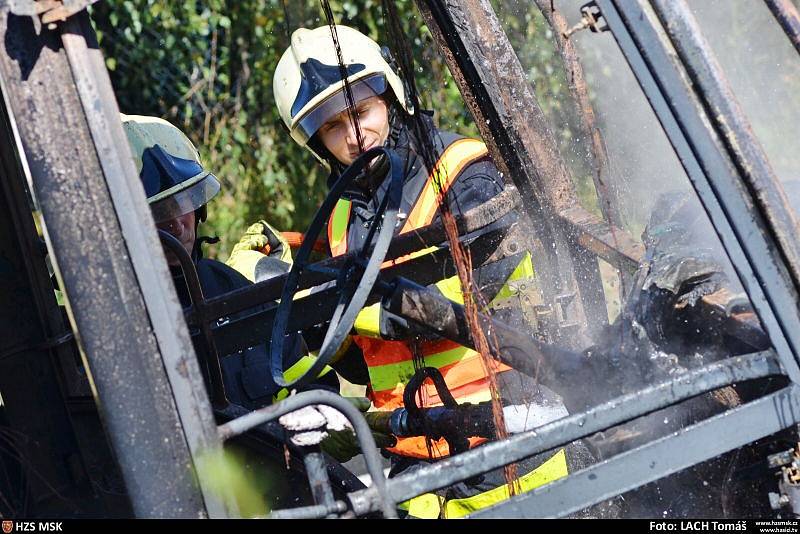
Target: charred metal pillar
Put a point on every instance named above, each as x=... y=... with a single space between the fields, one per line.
x=607 y=196
x=494 y=87
x=787 y=16
x=43 y=458
x=607 y=190
x=108 y=261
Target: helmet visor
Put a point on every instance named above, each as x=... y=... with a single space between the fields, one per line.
x=370 y=86
x=170 y=205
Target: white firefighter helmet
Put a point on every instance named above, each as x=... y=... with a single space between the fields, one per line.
x=169 y=166
x=308 y=84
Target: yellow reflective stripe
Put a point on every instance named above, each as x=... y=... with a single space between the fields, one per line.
x=455 y=158
x=411 y=256
x=280 y=395
x=368 y=321
x=451 y=289
x=425 y=506
x=337 y=227
x=523 y=270
x=386 y=377
x=552 y=469
x=297 y=369
x=302 y=366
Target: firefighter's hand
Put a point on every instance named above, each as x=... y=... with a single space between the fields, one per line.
x=261 y=253
x=310 y=425
x=262 y=237
x=343 y=445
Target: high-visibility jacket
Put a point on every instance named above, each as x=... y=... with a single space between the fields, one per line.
x=390 y=363
x=435 y=505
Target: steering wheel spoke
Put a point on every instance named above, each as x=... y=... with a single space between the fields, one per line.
x=357 y=276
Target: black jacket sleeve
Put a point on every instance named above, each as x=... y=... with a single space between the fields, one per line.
x=246 y=374
x=478 y=183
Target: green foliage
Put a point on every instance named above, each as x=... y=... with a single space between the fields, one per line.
x=207 y=68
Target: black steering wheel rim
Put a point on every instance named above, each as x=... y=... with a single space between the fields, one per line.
x=349 y=304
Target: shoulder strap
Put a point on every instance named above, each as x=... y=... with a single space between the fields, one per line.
x=455 y=158
x=337 y=227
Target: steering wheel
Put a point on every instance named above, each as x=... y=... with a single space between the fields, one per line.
x=356 y=277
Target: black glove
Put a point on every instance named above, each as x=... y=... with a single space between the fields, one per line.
x=343 y=445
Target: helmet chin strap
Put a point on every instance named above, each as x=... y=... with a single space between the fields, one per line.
x=396 y=113
x=200 y=215
x=378 y=169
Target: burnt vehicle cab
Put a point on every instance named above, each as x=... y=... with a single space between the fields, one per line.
x=650 y=187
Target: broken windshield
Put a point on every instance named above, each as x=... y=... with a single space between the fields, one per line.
x=681 y=306
x=763 y=69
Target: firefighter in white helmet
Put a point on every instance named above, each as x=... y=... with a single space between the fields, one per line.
x=309 y=93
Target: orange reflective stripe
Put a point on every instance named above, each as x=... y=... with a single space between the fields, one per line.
x=453 y=160
x=464 y=378
x=417 y=448
x=458 y=367
x=391 y=362
x=475 y=391
x=381 y=352
x=386 y=401
x=337 y=227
